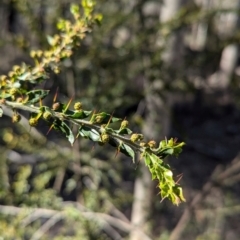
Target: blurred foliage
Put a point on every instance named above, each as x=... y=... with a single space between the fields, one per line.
x=107 y=72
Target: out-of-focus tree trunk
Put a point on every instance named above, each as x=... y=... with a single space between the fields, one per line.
x=141 y=203
x=172 y=56
x=156 y=125
x=198 y=36
x=227 y=25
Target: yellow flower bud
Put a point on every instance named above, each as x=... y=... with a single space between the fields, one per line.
x=33 y=54
x=77 y=106
x=134 y=137
x=33 y=122
x=105 y=138
x=47 y=115
x=143 y=144
x=98 y=119
x=152 y=144
x=16 y=118
x=13 y=91
x=124 y=124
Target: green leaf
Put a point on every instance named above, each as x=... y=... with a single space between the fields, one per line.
x=4 y=95
x=177 y=151
x=171 y=149
x=162 y=144
x=35 y=95
x=124 y=148
x=65 y=129
x=147 y=159
x=109 y=130
x=155 y=159
x=179 y=192
x=16 y=85
x=170 y=142
x=166 y=152
x=89 y=133
x=78 y=114
x=114 y=119
x=124 y=131
x=24 y=76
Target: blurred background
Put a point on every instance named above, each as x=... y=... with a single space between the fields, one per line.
x=172 y=68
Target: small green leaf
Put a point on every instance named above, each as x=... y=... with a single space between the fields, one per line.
x=16 y=85
x=181 y=144
x=168 y=173
x=124 y=131
x=114 y=119
x=24 y=76
x=78 y=114
x=165 y=152
x=89 y=133
x=4 y=95
x=177 y=151
x=155 y=159
x=179 y=192
x=147 y=159
x=65 y=129
x=35 y=95
x=124 y=148
x=170 y=142
x=108 y=130
x=162 y=144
